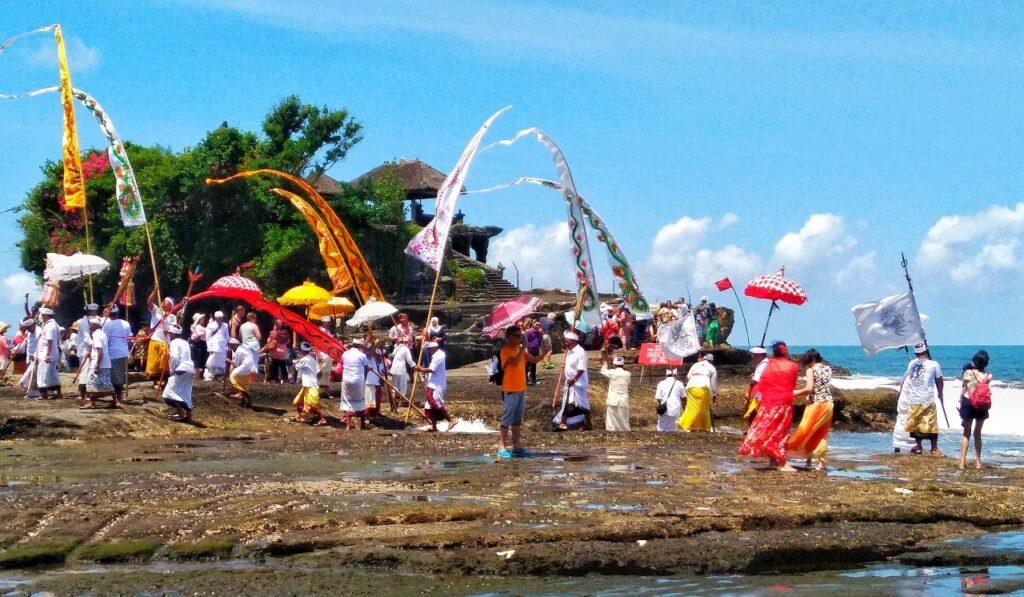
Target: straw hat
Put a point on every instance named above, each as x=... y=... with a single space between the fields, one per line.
x=4 y=326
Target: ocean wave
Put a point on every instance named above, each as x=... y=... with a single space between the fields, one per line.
x=865 y=382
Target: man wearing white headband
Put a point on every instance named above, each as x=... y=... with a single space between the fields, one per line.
x=437 y=386
x=217 y=335
x=118 y=332
x=575 y=397
x=48 y=355
x=616 y=417
x=669 y=395
x=701 y=392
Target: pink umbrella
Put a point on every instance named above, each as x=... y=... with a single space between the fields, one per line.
x=775 y=287
x=509 y=313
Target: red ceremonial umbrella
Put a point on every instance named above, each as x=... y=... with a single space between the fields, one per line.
x=509 y=313
x=775 y=287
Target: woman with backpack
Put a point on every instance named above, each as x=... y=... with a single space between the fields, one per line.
x=975 y=401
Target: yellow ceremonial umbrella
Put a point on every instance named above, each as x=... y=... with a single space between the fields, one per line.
x=337 y=305
x=306 y=295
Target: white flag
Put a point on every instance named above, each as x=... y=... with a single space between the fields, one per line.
x=429 y=244
x=892 y=322
x=679 y=339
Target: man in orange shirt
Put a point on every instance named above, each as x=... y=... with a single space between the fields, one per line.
x=513 y=358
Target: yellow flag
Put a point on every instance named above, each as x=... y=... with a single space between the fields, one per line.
x=333 y=259
x=365 y=284
x=74 y=182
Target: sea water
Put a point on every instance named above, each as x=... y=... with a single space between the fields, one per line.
x=885 y=369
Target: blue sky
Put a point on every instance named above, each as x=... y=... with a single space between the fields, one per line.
x=718 y=139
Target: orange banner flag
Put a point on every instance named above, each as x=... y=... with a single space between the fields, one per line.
x=330 y=252
x=365 y=284
x=74 y=182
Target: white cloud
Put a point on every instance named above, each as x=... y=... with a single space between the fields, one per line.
x=675 y=243
x=80 y=56
x=857 y=270
x=966 y=246
x=14 y=287
x=541 y=253
x=730 y=261
x=727 y=220
x=822 y=236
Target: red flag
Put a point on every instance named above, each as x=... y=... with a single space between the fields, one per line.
x=723 y=284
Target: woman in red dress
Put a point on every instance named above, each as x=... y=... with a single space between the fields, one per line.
x=769 y=432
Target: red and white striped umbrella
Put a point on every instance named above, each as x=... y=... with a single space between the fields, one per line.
x=776 y=287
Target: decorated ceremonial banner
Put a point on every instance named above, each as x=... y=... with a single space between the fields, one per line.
x=629 y=288
x=429 y=244
x=679 y=338
x=651 y=355
x=891 y=322
x=333 y=259
x=129 y=199
x=365 y=284
x=74 y=182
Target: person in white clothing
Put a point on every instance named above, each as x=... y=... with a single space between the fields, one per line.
x=922 y=384
x=241 y=372
x=118 y=332
x=616 y=416
x=437 y=384
x=98 y=372
x=701 y=393
x=353 y=377
x=82 y=335
x=575 y=397
x=373 y=389
x=217 y=346
x=401 y=364
x=178 y=391
x=669 y=394
x=28 y=347
x=250 y=337
x=307 y=401
x=48 y=355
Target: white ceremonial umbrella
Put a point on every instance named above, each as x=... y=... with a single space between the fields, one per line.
x=61 y=268
x=371 y=311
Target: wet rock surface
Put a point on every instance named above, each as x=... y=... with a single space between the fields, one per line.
x=248 y=488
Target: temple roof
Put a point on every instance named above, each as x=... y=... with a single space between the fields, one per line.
x=420 y=180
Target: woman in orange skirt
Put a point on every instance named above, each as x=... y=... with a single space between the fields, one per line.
x=810 y=439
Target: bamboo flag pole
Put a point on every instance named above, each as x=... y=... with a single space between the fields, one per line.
x=576 y=310
x=745 y=329
x=152 y=260
x=419 y=358
x=88 y=246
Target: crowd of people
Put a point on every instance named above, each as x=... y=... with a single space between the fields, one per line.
x=101 y=347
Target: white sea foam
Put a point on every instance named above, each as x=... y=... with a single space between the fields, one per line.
x=462 y=426
x=1007 y=402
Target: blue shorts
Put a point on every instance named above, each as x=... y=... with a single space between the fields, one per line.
x=514 y=409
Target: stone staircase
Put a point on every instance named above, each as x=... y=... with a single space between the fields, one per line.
x=496 y=289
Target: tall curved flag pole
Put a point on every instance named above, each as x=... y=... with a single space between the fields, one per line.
x=362 y=278
x=429 y=244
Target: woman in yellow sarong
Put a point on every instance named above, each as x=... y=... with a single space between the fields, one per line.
x=810 y=438
x=701 y=390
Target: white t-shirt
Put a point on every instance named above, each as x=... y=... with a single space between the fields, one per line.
x=49 y=340
x=99 y=342
x=438 y=377
x=575 y=361
x=155 y=315
x=243 y=362
x=82 y=336
x=703 y=375
x=401 y=360
x=248 y=335
x=306 y=369
x=118 y=331
x=217 y=337
x=618 y=385
x=354 y=364
x=919 y=381
x=670 y=391
x=758 y=370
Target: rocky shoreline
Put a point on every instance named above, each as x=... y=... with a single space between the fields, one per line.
x=438 y=512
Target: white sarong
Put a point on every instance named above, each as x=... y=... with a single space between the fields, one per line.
x=179 y=389
x=352 y=398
